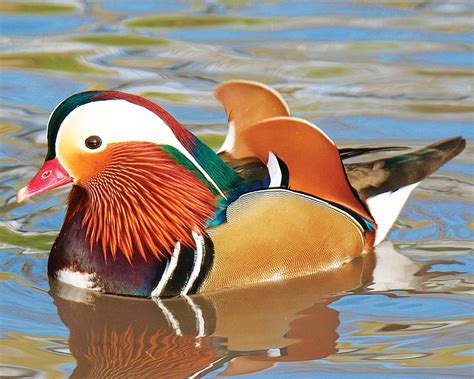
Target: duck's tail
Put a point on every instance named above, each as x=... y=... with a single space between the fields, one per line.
x=385 y=184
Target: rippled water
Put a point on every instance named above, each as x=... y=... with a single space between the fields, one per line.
x=367 y=72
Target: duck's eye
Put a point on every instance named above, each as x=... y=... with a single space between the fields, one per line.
x=93 y=142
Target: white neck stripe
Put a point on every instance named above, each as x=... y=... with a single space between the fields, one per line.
x=198 y=256
x=168 y=273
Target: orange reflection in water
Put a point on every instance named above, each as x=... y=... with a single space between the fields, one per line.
x=247 y=330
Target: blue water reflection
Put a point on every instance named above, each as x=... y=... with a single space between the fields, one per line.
x=320 y=34
x=28 y=26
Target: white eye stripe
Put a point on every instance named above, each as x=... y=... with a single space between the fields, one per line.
x=120 y=121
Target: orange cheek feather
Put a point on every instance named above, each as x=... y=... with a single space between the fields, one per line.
x=137 y=199
x=83 y=165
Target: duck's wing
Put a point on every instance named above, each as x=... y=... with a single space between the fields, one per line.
x=276 y=234
x=385 y=184
x=245 y=103
x=299 y=156
x=351 y=152
x=304 y=218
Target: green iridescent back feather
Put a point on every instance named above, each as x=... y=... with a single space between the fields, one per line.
x=222 y=174
x=225 y=177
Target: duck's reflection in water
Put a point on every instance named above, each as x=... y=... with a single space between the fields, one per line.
x=249 y=329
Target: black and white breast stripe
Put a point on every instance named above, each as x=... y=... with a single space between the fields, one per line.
x=186 y=269
x=277 y=171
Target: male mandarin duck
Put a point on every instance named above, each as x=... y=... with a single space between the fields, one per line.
x=153 y=211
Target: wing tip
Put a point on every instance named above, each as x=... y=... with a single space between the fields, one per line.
x=450 y=146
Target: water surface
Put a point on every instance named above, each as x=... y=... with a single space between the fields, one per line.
x=367 y=72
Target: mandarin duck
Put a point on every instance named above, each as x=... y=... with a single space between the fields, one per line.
x=153 y=211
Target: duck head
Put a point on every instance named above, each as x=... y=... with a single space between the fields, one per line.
x=141 y=181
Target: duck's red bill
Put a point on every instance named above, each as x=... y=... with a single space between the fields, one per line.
x=51 y=175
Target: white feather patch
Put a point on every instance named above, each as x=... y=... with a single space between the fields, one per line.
x=229 y=141
x=274 y=171
x=77 y=279
x=386 y=207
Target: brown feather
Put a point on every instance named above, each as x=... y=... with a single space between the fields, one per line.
x=390 y=174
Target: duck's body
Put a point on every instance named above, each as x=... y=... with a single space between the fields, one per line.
x=155 y=212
